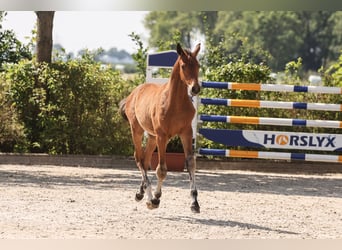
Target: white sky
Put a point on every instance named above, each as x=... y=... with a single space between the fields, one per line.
x=76 y=30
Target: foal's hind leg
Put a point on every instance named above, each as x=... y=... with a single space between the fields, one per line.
x=137 y=135
x=190 y=164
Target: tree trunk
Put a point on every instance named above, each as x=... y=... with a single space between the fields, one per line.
x=44 y=35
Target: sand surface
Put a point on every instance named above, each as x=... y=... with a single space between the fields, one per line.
x=58 y=202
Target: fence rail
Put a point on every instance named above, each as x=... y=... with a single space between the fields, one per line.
x=271 y=104
x=272 y=87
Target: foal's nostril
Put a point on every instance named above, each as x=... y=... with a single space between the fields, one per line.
x=195 y=89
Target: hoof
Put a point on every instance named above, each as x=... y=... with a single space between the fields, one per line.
x=154 y=203
x=195 y=208
x=139 y=197
x=157 y=195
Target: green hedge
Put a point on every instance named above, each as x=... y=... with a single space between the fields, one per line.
x=11 y=129
x=69 y=107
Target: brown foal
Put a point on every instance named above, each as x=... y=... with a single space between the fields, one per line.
x=163 y=111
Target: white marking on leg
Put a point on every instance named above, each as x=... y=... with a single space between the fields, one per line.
x=148 y=188
x=161 y=175
x=149 y=192
x=191 y=165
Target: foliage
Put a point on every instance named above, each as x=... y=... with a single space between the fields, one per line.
x=174 y=145
x=336 y=46
x=271 y=37
x=333 y=75
x=317 y=30
x=11 y=49
x=115 y=53
x=286 y=35
x=164 y=24
x=140 y=56
x=12 y=135
x=70 y=107
x=239 y=72
x=238 y=69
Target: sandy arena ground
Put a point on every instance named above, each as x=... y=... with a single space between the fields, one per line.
x=57 y=202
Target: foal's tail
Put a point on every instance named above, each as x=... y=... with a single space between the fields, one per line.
x=122 y=106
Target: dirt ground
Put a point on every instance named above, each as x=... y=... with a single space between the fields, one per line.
x=58 y=202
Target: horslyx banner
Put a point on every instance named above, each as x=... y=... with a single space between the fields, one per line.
x=274 y=139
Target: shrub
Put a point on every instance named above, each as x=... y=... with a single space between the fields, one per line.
x=333 y=75
x=12 y=137
x=71 y=107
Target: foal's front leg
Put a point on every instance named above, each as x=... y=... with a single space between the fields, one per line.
x=161 y=169
x=190 y=163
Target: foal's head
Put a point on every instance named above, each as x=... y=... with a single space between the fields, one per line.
x=189 y=67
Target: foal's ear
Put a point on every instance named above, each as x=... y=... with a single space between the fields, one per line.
x=197 y=49
x=180 y=51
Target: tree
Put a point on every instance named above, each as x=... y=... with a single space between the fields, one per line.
x=235 y=41
x=316 y=30
x=207 y=20
x=286 y=35
x=44 y=35
x=336 y=47
x=271 y=37
x=165 y=24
